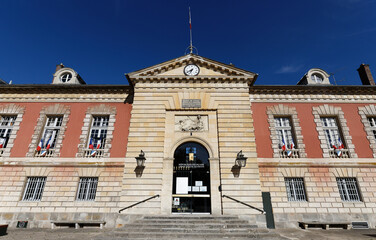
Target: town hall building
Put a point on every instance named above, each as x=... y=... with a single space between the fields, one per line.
x=188 y=136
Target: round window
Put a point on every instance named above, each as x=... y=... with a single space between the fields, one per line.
x=317 y=78
x=66 y=77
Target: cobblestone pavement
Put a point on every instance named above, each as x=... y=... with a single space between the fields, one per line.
x=92 y=233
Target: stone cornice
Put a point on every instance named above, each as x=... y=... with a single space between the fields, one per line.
x=200 y=78
x=355 y=94
x=299 y=89
x=54 y=162
x=60 y=88
x=65 y=93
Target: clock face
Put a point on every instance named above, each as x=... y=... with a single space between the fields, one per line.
x=191 y=70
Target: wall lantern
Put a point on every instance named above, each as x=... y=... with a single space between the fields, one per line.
x=141 y=159
x=240 y=161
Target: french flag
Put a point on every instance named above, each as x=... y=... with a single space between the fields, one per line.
x=44 y=151
x=99 y=143
x=340 y=144
x=40 y=145
x=292 y=146
x=2 y=142
x=338 y=152
x=91 y=145
x=49 y=142
x=337 y=149
x=283 y=145
x=190 y=22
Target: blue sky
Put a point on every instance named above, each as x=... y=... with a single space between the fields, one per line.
x=102 y=40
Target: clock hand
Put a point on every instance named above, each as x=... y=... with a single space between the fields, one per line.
x=190 y=70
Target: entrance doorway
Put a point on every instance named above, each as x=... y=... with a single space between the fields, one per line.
x=191 y=179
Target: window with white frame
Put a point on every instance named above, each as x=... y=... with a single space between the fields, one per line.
x=295 y=189
x=284 y=132
x=348 y=189
x=51 y=131
x=332 y=134
x=6 y=125
x=372 y=123
x=87 y=189
x=34 y=188
x=98 y=132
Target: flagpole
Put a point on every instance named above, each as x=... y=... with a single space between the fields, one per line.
x=190 y=31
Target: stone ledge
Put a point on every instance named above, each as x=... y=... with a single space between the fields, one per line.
x=314 y=162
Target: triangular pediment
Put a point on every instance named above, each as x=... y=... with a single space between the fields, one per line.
x=208 y=69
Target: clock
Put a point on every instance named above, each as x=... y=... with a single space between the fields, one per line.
x=191 y=70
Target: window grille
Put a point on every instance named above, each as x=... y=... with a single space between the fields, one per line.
x=372 y=122
x=34 y=188
x=98 y=131
x=6 y=125
x=283 y=128
x=87 y=189
x=295 y=189
x=332 y=135
x=51 y=130
x=348 y=189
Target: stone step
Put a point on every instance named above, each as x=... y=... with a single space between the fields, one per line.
x=188 y=230
x=196 y=226
x=193 y=217
x=182 y=221
x=180 y=236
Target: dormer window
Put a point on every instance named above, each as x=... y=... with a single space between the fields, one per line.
x=317 y=78
x=66 y=77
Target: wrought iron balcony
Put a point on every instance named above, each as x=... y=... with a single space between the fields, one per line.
x=99 y=153
x=345 y=153
x=49 y=153
x=294 y=153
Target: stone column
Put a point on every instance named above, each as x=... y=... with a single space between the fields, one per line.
x=166 y=194
x=215 y=182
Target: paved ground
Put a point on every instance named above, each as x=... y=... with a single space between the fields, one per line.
x=91 y=233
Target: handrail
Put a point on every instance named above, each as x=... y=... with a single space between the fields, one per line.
x=138 y=203
x=260 y=210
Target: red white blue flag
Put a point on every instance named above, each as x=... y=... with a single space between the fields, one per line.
x=337 y=149
x=2 y=142
x=340 y=144
x=283 y=145
x=190 y=22
x=91 y=145
x=99 y=143
x=40 y=145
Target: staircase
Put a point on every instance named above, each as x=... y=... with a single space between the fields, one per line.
x=189 y=227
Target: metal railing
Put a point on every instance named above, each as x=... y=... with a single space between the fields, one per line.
x=344 y=153
x=49 y=153
x=294 y=153
x=245 y=204
x=138 y=203
x=98 y=154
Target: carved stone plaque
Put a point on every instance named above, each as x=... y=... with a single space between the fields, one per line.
x=191 y=103
x=191 y=123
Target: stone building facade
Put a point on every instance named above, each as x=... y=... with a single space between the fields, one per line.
x=71 y=149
